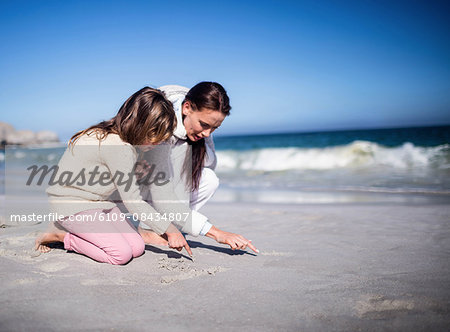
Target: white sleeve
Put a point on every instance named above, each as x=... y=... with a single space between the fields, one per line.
x=206 y=228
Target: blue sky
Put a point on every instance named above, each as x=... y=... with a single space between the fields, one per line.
x=287 y=65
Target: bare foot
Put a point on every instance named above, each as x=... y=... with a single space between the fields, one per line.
x=54 y=234
x=150 y=237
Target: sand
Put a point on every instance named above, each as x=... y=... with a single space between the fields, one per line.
x=324 y=267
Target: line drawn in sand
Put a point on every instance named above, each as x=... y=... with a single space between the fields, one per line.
x=185 y=270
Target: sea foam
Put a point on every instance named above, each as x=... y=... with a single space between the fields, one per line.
x=358 y=154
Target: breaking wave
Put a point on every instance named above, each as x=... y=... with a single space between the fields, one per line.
x=358 y=154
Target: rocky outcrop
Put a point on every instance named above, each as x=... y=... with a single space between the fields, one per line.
x=8 y=135
x=5 y=130
x=46 y=136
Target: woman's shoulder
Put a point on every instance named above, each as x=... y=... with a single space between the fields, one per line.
x=174 y=92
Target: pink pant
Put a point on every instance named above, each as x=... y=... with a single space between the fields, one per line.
x=103 y=235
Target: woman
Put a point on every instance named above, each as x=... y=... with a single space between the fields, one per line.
x=93 y=225
x=200 y=111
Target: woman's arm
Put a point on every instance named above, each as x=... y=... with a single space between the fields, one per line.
x=235 y=241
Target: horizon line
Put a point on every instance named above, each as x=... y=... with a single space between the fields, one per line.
x=317 y=131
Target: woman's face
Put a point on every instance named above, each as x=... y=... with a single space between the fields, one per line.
x=200 y=124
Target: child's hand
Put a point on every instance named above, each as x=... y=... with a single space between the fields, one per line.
x=176 y=240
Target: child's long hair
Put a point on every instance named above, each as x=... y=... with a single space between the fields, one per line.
x=147 y=116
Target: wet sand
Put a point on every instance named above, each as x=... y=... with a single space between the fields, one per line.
x=324 y=267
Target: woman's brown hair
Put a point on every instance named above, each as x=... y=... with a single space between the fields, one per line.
x=212 y=96
x=147 y=116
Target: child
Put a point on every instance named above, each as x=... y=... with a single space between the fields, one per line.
x=91 y=224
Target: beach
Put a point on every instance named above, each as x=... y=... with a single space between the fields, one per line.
x=353 y=230
x=321 y=267
x=319 y=130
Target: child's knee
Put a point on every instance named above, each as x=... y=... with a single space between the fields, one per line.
x=121 y=255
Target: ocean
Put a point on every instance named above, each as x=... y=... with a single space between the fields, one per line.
x=404 y=164
x=341 y=166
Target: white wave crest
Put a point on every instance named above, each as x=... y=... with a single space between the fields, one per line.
x=358 y=154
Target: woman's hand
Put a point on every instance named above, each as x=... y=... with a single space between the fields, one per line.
x=176 y=239
x=235 y=241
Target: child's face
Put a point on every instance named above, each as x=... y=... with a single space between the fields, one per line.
x=147 y=145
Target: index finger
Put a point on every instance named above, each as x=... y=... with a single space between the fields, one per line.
x=251 y=246
x=188 y=249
